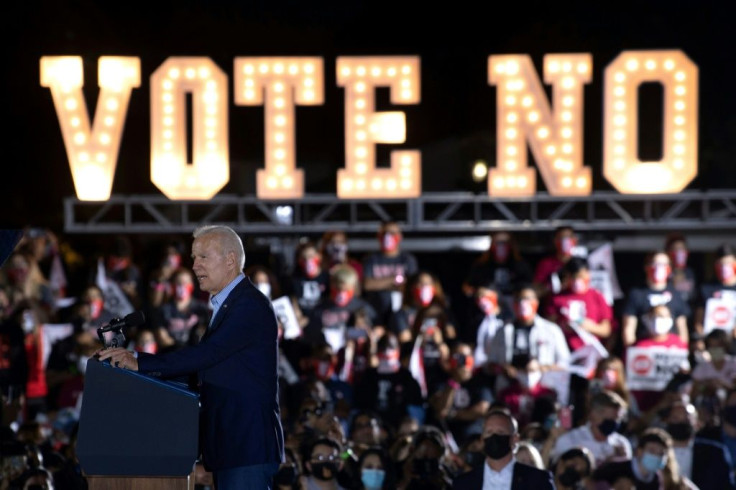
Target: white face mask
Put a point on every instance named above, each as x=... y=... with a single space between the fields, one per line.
x=265 y=288
x=29 y=323
x=661 y=325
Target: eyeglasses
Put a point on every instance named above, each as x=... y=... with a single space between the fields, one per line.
x=325 y=457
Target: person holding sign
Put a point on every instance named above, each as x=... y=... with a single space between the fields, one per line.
x=657 y=292
x=663 y=354
x=717 y=302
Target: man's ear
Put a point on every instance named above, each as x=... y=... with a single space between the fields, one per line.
x=230 y=258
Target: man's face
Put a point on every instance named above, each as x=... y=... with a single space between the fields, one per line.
x=497 y=425
x=606 y=413
x=213 y=269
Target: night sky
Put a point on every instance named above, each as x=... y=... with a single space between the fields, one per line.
x=453 y=125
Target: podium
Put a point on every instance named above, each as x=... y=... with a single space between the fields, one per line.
x=136 y=432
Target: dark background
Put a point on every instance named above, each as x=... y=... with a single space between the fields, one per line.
x=453 y=125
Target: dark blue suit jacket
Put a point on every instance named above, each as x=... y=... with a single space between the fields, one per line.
x=237 y=366
x=524 y=477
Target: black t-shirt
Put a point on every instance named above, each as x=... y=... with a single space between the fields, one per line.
x=641 y=300
x=309 y=292
x=714 y=290
x=522 y=349
x=611 y=472
x=379 y=266
x=476 y=389
x=389 y=394
x=507 y=276
x=180 y=323
x=329 y=316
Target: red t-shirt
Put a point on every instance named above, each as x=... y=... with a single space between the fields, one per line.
x=567 y=306
x=545 y=268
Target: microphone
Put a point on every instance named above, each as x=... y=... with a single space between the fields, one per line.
x=134 y=319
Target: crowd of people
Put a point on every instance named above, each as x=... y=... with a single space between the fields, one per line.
x=385 y=381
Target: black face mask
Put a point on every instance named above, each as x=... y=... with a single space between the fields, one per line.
x=286 y=476
x=325 y=470
x=729 y=414
x=474 y=458
x=681 y=431
x=426 y=467
x=608 y=427
x=570 y=477
x=497 y=446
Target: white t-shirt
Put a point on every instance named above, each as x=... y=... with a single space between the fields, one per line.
x=615 y=445
x=706 y=370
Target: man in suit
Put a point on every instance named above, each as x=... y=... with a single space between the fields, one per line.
x=236 y=360
x=501 y=471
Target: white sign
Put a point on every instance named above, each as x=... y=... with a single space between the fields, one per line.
x=115 y=300
x=603 y=273
x=651 y=368
x=719 y=313
x=560 y=382
x=285 y=314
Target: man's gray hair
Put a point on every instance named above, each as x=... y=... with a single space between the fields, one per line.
x=229 y=240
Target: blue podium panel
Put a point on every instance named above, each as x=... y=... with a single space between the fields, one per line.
x=135 y=425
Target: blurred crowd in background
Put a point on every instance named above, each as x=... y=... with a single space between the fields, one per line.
x=385 y=378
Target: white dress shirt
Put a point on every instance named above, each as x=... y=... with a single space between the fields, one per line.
x=684 y=457
x=498 y=480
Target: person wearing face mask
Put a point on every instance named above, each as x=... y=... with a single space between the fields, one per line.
x=422 y=291
x=501 y=471
x=526 y=393
x=463 y=398
x=528 y=337
x=183 y=313
x=715 y=375
x=645 y=468
x=335 y=251
x=657 y=292
x=389 y=388
x=386 y=272
x=701 y=460
x=600 y=434
x=159 y=289
x=659 y=324
x=375 y=470
x=489 y=319
x=343 y=316
x=264 y=280
x=683 y=278
x=322 y=464
x=310 y=281
x=425 y=469
x=31 y=318
x=724 y=287
x=501 y=265
x=546 y=275
x=573 y=468
x=579 y=307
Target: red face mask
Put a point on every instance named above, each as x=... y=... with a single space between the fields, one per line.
x=725 y=272
x=488 y=303
x=311 y=266
x=679 y=258
x=388 y=361
x=390 y=242
x=95 y=308
x=184 y=291
x=117 y=263
x=526 y=309
x=460 y=361
x=565 y=245
x=500 y=251
x=147 y=347
x=341 y=298
x=580 y=285
x=424 y=294
x=658 y=273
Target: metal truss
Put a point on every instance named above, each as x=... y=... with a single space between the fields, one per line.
x=430 y=214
